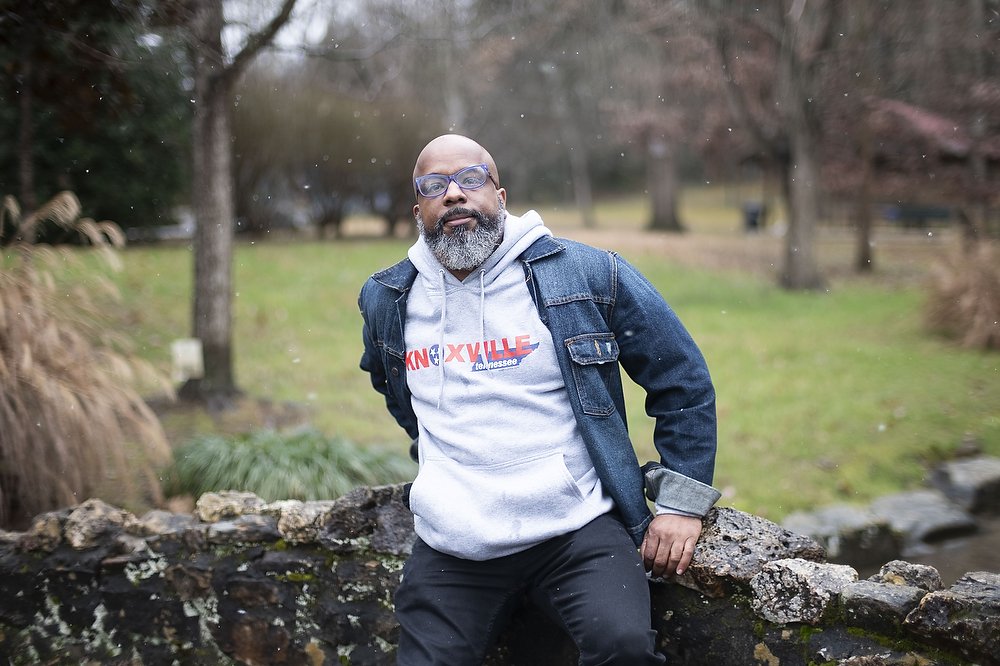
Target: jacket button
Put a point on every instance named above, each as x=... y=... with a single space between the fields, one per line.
x=395 y=372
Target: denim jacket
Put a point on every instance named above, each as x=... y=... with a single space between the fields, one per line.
x=602 y=313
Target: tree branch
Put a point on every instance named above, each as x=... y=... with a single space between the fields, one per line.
x=825 y=34
x=737 y=98
x=258 y=41
x=348 y=55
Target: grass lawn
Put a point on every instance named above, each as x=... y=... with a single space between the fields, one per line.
x=838 y=395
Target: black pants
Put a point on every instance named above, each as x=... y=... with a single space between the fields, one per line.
x=590 y=581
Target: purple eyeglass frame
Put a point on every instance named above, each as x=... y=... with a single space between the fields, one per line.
x=451 y=179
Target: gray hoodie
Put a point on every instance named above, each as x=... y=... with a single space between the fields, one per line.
x=502 y=463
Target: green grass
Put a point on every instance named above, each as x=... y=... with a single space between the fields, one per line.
x=823 y=397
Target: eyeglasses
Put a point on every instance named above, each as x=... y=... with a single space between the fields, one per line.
x=473 y=177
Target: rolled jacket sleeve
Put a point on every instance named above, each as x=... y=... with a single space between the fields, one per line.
x=659 y=354
x=675 y=493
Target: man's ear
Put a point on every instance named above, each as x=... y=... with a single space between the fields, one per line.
x=416 y=210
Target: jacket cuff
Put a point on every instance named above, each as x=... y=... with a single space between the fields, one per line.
x=675 y=493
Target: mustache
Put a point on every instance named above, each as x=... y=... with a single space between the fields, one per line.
x=459 y=212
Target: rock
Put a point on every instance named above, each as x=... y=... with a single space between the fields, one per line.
x=255 y=641
x=850 y=647
x=966 y=616
x=921 y=517
x=158 y=523
x=367 y=516
x=734 y=546
x=898 y=572
x=89 y=522
x=850 y=535
x=129 y=544
x=886 y=658
x=878 y=607
x=797 y=590
x=300 y=522
x=394 y=525
x=189 y=580
x=45 y=532
x=971 y=483
x=213 y=507
x=244 y=529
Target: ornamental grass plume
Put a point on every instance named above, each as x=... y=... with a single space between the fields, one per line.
x=71 y=423
x=964 y=302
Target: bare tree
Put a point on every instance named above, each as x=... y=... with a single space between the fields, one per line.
x=667 y=98
x=772 y=56
x=212 y=186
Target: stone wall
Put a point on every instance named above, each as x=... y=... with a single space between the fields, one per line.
x=963 y=498
x=246 y=582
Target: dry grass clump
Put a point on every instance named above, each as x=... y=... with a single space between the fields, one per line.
x=964 y=302
x=71 y=423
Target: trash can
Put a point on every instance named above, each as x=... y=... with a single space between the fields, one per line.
x=753 y=215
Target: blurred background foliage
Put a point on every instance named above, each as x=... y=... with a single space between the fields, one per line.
x=597 y=94
x=93 y=106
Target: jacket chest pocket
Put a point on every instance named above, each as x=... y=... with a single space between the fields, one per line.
x=594 y=358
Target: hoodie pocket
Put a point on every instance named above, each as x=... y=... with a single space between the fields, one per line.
x=595 y=357
x=491 y=510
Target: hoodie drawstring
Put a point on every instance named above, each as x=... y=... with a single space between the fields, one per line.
x=444 y=315
x=482 y=315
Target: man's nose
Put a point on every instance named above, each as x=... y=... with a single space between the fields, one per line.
x=454 y=194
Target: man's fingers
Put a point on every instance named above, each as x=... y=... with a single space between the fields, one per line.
x=649 y=548
x=667 y=558
x=687 y=553
x=661 y=558
x=675 y=555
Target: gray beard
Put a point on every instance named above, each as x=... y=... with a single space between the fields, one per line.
x=462 y=249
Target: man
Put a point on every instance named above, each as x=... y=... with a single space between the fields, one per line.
x=497 y=348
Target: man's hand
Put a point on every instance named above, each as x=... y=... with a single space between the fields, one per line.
x=669 y=543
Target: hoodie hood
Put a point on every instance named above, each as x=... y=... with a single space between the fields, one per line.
x=518 y=233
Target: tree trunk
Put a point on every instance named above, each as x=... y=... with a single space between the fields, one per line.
x=662 y=173
x=977 y=213
x=576 y=151
x=212 y=194
x=800 y=269
x=863 y=255
x=26 y=140
x=576 y=147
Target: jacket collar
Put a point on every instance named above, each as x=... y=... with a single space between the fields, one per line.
x=400 y=276
x=541 y=248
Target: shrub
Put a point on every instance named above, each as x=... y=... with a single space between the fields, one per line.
x=71 y=425
x=302 y=464
x=964 y=302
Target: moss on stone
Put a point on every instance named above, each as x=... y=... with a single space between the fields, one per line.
x=909 y=646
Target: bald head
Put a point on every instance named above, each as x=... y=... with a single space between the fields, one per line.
x=453 y=149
